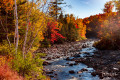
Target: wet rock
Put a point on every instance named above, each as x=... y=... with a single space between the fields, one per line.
x=76 y=55
x=101 y=77
x=80 y=75
x=51 y=76
x=45 y=63
x=67 y=63
x=84 y=46
x=75 y=63
x=93 y=73
x=87 y=53
x=53 y=57
x=55 y=74
x=49 y=72
x=71 y=64
x=67 y=59
x=49 y=58
x=115 y=69
x=58 y=57
x=84 y=69
x=72 y=72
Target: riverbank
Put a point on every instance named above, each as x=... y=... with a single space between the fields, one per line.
x=78 y=59
x=106 y=63
x=63 y=50
x=58 y=64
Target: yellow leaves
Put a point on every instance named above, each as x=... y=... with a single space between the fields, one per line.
x=60 y=25
x=40 y=35
x=2 y=60
x=106 y=22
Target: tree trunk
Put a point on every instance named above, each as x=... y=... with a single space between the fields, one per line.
x=16 y=30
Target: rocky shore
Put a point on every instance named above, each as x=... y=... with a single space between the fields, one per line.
x=63 y=50
x=105 y=63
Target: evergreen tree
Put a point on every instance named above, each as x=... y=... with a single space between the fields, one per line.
x=55 y=8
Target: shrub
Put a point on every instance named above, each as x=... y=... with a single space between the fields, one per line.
x=30 y=67
x=6 y=73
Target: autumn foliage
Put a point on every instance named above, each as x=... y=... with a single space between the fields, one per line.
x=6 y=73
x=109 y=30
x=52 y=32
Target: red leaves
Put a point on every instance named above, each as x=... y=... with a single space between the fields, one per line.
x=108 y=7
x=52 y=27
x=76 y=26
x=29 y=23
x=5 y=72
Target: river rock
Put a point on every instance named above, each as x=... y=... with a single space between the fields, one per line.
x=84 y=46
x=67 y=58
x=76 y=55
x=72 y=72
x=71 y=64
x=49 y=72
x=75 y=63
x=84 y=69
x=51 y=76
x=45 y=63
x=49 y=58
x=93 y=73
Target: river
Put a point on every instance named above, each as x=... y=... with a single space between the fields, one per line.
x=64 y=68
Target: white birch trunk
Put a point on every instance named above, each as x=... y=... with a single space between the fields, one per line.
x=16 y=30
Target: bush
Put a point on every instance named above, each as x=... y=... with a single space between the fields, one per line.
x=30 y=67
x=45 y=43
x=6 y=73
x=106 y=44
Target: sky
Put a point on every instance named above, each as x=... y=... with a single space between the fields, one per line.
x=84 y=8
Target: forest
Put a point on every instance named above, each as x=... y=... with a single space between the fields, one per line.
x=29 y=26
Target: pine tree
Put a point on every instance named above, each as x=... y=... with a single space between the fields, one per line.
x=55 y=8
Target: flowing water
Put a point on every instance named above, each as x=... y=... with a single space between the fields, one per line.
x=60 y=68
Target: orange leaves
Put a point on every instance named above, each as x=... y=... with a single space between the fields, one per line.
x=108 y=7
x=101 y=26
x=5 y=72
x=7 y=4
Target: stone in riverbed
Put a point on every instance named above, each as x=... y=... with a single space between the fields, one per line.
x=45 y=63
x=49 y=58
x=84 y=46
x=75 y=63
x=67 y=59
x=76 y=55
x=51 y=76
x=71 y=64
x=93 y=73
x=72 y=72
x=49 y=72
x=84 y=69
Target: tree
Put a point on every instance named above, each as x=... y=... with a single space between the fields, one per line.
x=117 y=5
x=28 y=24
x=16 y=28
x=52 y=32
x=6 y=6
x=55 y=8
x=108 y=7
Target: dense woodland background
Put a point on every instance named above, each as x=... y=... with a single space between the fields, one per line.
x=26 y=26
